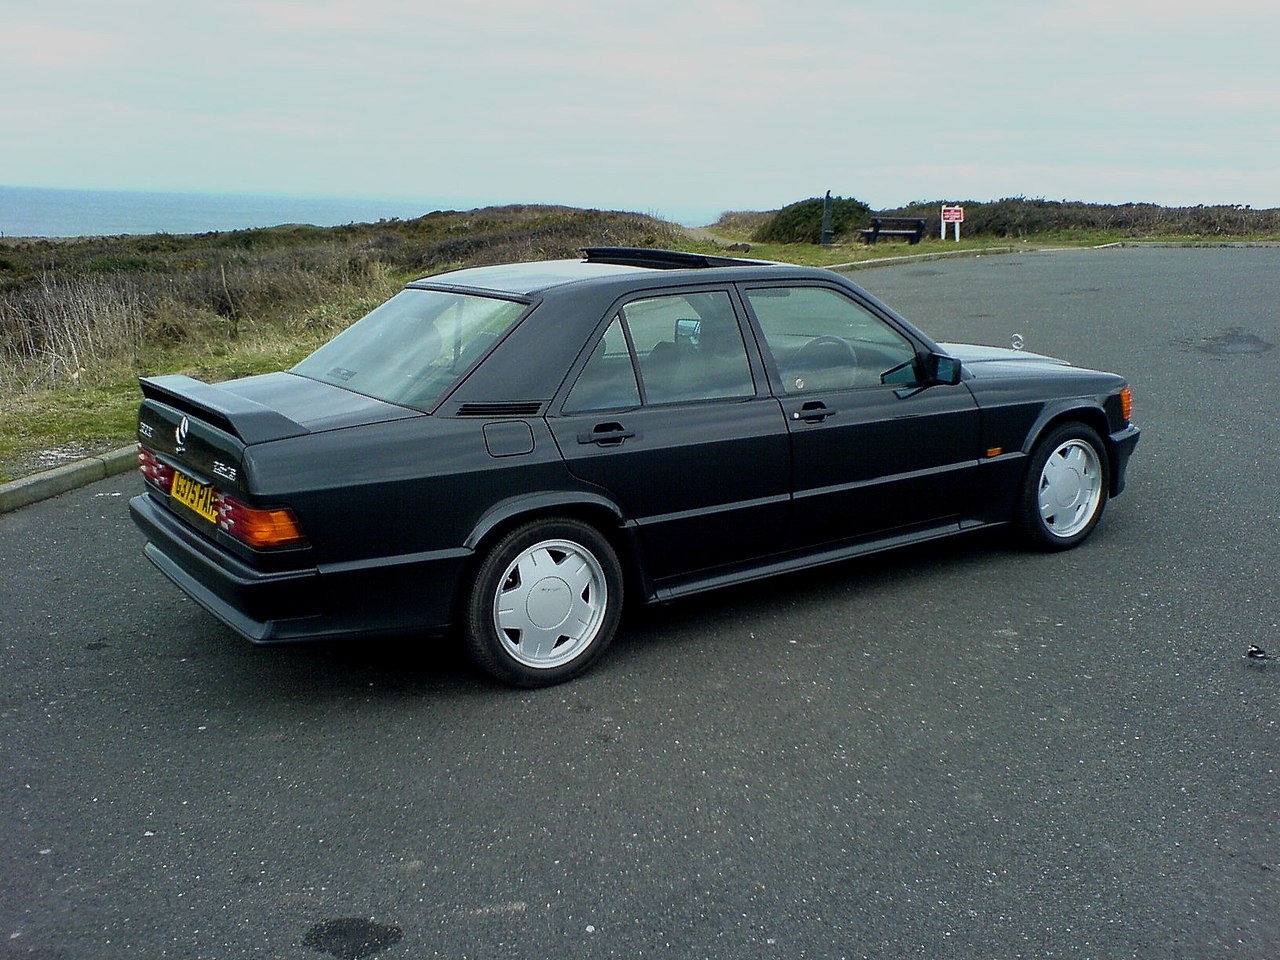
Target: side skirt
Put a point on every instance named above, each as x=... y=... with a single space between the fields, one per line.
x=675 y=588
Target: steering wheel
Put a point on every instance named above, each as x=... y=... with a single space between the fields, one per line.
x=824 y=355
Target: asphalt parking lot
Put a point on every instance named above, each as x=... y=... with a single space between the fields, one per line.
x=964 y=751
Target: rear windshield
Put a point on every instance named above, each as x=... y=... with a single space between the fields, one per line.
x=414 y=347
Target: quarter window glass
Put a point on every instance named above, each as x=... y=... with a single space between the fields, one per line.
x=822 y=340
x=608 y=381
x=689 y=347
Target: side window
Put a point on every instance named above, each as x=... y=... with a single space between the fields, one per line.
x=608 y=381
x=821 y=340
x=689 y=347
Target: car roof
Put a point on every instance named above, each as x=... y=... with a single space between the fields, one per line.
x=601 y=264
x=532 y=359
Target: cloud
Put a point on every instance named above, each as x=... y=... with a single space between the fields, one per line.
x=737 y=103
x=1249 y=99
x=44 y=47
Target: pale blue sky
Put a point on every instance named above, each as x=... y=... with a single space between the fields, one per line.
x=648 y=105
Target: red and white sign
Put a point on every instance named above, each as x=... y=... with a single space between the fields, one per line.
x=951 y=215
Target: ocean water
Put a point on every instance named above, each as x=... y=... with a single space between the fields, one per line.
x=48 y=212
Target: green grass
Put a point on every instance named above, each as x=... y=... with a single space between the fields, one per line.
x=102 y=416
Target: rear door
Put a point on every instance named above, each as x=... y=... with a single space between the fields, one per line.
x=875 y=449
x=672 y=415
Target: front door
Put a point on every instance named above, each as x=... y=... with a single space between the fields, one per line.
x=875 y=450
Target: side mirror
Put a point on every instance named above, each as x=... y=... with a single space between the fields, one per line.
x=943 y=369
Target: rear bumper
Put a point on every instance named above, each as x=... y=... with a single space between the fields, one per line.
x=1122 y=445
x=388 y=595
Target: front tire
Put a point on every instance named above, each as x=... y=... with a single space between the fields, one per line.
x=545 y=603
x=1065 y=490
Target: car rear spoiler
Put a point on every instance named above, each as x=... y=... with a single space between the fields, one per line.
x=247 y=419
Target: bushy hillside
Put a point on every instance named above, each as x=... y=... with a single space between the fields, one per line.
x=77 y=310
x=1020 y=217
x=1016 y=217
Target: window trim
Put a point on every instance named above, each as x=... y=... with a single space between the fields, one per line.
x=760 y=377
x=573 y=380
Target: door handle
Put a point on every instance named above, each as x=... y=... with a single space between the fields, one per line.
x=815 y=411
x=607 y=435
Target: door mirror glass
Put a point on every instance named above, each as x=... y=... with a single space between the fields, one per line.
x=944 y=369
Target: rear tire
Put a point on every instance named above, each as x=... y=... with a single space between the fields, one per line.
x=1065 y=490
x=545 y=603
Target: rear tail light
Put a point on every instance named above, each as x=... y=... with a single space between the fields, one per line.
x=1126 y=404
x=257 y=528
x=261 y=529
x=156 y=473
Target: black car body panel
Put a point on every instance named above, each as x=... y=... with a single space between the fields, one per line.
x=783 y=469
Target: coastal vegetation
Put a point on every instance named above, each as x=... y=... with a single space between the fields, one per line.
x=1016 y=218
x=81 y=319
x=802 y=222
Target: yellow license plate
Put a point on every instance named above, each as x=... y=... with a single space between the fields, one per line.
x=198 y=496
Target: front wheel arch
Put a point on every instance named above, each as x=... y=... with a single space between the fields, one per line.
x=1091 y=416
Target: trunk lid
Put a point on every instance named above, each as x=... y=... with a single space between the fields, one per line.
x=203 y=428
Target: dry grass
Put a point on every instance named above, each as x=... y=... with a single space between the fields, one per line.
x=81 y=319
x=75 y=312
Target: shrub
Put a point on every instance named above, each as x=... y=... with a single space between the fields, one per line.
x=802 y=222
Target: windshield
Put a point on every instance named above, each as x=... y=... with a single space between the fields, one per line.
x=414 y=347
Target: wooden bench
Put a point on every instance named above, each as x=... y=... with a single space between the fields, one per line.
x=911 y=228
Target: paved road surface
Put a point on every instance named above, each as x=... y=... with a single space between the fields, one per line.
x=960 y=752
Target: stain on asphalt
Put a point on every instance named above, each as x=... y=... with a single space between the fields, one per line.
x=351 y=938
x=1232 y=341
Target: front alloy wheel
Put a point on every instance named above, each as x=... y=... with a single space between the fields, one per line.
x=1065 y=490
x=545 y=603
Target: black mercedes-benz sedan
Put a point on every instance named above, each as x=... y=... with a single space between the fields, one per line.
x=509 y=450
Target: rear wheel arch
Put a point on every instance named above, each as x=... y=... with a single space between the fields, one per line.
x=502 y=517
x=598 y=512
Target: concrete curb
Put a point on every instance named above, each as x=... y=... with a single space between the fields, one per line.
x=922 y=258
x=50 y=483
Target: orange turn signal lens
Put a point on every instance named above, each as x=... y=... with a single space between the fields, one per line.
x=261 y=529
x=1126 y=404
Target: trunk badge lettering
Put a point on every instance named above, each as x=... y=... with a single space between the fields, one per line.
x=220 y=469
